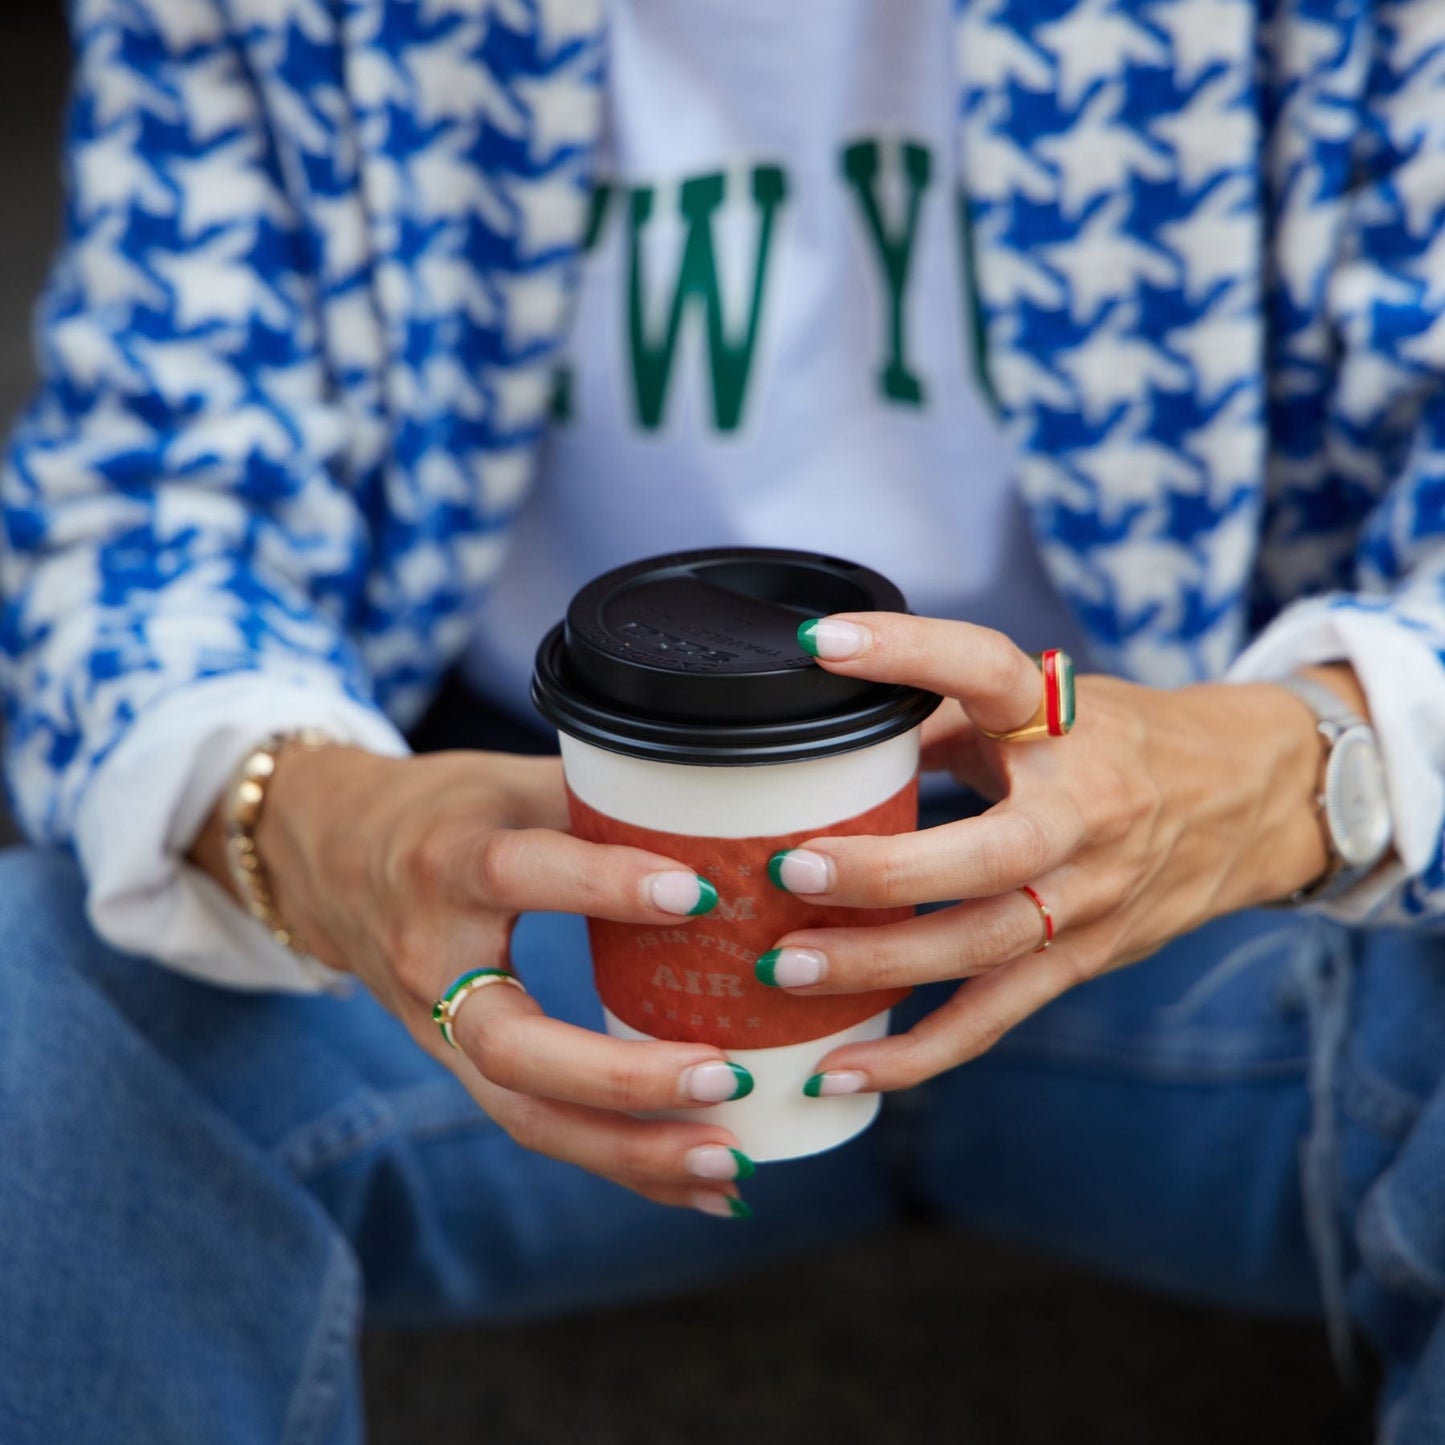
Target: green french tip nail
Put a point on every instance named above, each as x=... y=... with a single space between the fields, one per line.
x=706 y=898
x=738 y=1208
x=746 y=1168
x=775 y=874
x=814 y=1087
x=744 y=1080
x=766 y=966
x=805 y=636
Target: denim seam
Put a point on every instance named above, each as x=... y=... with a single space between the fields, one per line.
x=359 y=1124
x=321 y=1379
x=1216 y=1041
x=1379 y=1231
x=1390 y=1424
x=1327 y=980
x=1123 y=1056
x=430 y=1110
x=1370 y=1100
x=1230 y=967
x=347 y=1130
x=441 y=1128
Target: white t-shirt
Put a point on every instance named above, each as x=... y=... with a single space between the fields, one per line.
x=746 y=141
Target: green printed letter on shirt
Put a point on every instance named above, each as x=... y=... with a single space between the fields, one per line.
x=893 y=249
x=729 y=358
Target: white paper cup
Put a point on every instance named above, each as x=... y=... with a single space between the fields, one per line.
x=810 y=755
x=726 y=823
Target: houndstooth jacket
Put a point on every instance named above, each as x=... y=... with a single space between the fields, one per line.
x=297 y=348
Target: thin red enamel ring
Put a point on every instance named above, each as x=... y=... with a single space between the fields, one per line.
x=1045 y=916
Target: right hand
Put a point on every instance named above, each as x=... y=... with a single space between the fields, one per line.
x=409 y=871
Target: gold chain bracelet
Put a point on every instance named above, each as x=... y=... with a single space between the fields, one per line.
x=245 y=801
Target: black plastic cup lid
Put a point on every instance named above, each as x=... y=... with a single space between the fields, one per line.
x=694 y=658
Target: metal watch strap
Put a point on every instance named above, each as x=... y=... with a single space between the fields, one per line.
x=1333 y=718
x=1333 y=715
x=245 y=801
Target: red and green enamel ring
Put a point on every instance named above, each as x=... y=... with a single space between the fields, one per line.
x=1055 y=713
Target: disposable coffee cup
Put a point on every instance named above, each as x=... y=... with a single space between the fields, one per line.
x=693 y=724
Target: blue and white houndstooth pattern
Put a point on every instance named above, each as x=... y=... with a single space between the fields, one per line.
x=297 y=350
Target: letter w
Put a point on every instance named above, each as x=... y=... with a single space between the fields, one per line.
x=730 y=360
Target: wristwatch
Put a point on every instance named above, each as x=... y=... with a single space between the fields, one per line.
x=1353 y=799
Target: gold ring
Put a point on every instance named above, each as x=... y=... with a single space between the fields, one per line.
x=1055 y=713
x=444 y=1010
x=1045 y=917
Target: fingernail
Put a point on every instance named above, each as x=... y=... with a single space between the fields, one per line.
x=833 y=641
x=835 y=1081
x=717 y=1161
x=723 y=1206
x=798 y=871
x=791 y=967
x=679 y=892
x=716 y=1082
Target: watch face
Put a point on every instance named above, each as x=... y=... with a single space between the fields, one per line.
x=1356 y=801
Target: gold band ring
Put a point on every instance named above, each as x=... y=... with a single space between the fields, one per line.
x=1055 y=713
x=1045 y=916
x=444 y=1010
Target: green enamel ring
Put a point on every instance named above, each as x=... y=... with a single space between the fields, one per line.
x=444 y=1010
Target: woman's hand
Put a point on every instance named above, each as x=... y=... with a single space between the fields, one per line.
x=408 y=872
x=1160 y=810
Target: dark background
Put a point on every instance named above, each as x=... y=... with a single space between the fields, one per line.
x=918 y=1336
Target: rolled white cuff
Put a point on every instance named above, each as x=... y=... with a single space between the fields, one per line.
x=1404 y=682
x=148 y=800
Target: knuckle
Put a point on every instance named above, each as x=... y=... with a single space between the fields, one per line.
x=999 y=935
x=1118 y=797
x=912 y=1064
x=496 y=862
x=431 y=857
x=1110 y=791
x=495 y=1050
x=986 y=1030
x=1149 y=802
x=1081 y=965
x=997 y=664
x=1119 y=888
x=594 y=879
x=870 y=962
x=634 y=1154
x=629 y=1088
x=1132 y=725
x=428 y=860
x=996 y=866
x=525 y=1122
x=890 y=879
x=1017 y=851
x=1040 y=842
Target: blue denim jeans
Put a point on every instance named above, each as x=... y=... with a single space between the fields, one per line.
x=201 y=1192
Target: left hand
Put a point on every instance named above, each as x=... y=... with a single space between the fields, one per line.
x=1160 y=810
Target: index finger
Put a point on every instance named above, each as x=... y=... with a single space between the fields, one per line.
x=997 y=683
